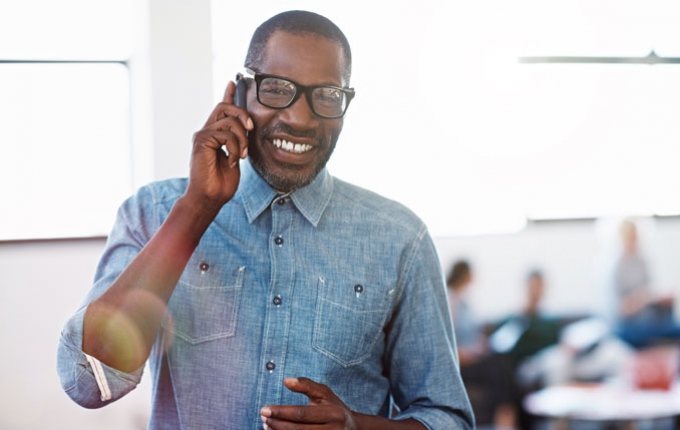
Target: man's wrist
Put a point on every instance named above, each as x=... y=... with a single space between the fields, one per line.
x=202 y=210
x=191 y=217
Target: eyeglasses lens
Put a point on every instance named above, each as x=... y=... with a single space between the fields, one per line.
x=276 y=93
x=328 y=101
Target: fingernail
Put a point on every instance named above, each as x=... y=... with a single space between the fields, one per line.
x=265 y=412
x=244 y=153
x=233 y=163
x=249 y=124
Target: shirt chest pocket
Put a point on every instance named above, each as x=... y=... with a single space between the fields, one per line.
x=349 y=319
x=205 y=303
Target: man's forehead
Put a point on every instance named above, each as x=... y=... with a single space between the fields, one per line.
x=304 y=54
x=290 y=37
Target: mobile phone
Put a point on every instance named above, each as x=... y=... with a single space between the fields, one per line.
x=241 y=90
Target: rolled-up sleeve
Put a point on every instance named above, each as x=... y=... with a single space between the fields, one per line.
x=423 y=365
x=88 y=382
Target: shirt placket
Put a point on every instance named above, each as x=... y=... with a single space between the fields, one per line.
x=278 y=306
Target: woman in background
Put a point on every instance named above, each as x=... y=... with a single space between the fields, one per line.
x=641 y=316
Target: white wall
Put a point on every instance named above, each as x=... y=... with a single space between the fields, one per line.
x=42 y=283
x=573 y=255
x=181 y=69
x=171 y=78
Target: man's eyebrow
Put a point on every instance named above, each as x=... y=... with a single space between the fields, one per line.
x=320 y=84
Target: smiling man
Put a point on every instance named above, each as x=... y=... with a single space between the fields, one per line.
x=289 y=147
x=262 y=291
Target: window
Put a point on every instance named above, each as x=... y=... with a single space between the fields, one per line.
x=448 y=120
x=65 y=156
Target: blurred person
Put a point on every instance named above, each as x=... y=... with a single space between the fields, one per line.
x=525 y=333
x=488 y=376
x=470 y=341
x=586 y=353
x=641 y=315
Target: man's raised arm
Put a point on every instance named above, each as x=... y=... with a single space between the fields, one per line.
x=120 y=326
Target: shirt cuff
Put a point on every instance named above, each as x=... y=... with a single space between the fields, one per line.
x=88 y=381
x=100 y=377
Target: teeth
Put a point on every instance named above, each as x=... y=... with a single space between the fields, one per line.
x=297 y=148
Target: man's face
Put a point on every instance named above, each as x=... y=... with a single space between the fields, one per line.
x=309 y=60
x=536 y=287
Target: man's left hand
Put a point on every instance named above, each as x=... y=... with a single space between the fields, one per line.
x=325 y=409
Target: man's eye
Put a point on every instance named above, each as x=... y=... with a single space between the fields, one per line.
x=277 y=88
x=328 y=95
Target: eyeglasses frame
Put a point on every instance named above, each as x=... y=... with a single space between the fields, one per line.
x=299 y=90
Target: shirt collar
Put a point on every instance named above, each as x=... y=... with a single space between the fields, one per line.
x=257 y=195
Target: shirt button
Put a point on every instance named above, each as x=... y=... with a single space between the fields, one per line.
x=278 y=240
x=281 y=201
x=277 y=301
x=204 y=267
x=270 y=366
x=358 y=288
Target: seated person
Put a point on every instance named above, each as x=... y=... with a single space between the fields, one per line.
x=524 y=334
x=586 y=353
x=640 y=315
x=487 y=376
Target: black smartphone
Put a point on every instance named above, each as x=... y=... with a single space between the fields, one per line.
x=241 y=90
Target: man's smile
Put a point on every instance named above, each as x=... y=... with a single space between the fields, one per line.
x=288 y=146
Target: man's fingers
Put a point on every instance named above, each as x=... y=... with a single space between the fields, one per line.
x=317 y=393
x=301 y=414
x=226 y=108
x=236 y=133
x=217 y=139
x=325 y=408
x=229 y=93
x=220 y=140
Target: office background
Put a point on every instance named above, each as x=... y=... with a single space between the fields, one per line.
x=182 y=56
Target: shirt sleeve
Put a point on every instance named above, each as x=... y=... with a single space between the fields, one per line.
x=86 y=380
x=422 y=361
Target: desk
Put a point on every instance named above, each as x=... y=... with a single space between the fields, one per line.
x=604 y=406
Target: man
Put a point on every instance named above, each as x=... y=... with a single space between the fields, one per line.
x=538 y=331
x=248 y=275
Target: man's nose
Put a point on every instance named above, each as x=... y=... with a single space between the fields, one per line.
x=300 y=113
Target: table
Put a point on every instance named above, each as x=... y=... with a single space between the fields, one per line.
x=604 y=406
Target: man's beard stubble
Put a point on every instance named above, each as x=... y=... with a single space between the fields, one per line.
x=293 y=176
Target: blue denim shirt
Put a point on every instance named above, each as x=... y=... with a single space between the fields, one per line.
x=332 y=282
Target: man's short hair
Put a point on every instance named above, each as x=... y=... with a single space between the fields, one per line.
x=297 y=22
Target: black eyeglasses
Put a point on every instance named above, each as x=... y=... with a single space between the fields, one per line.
x=326 y=101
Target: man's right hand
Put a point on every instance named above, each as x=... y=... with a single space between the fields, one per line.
x=214 y=177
